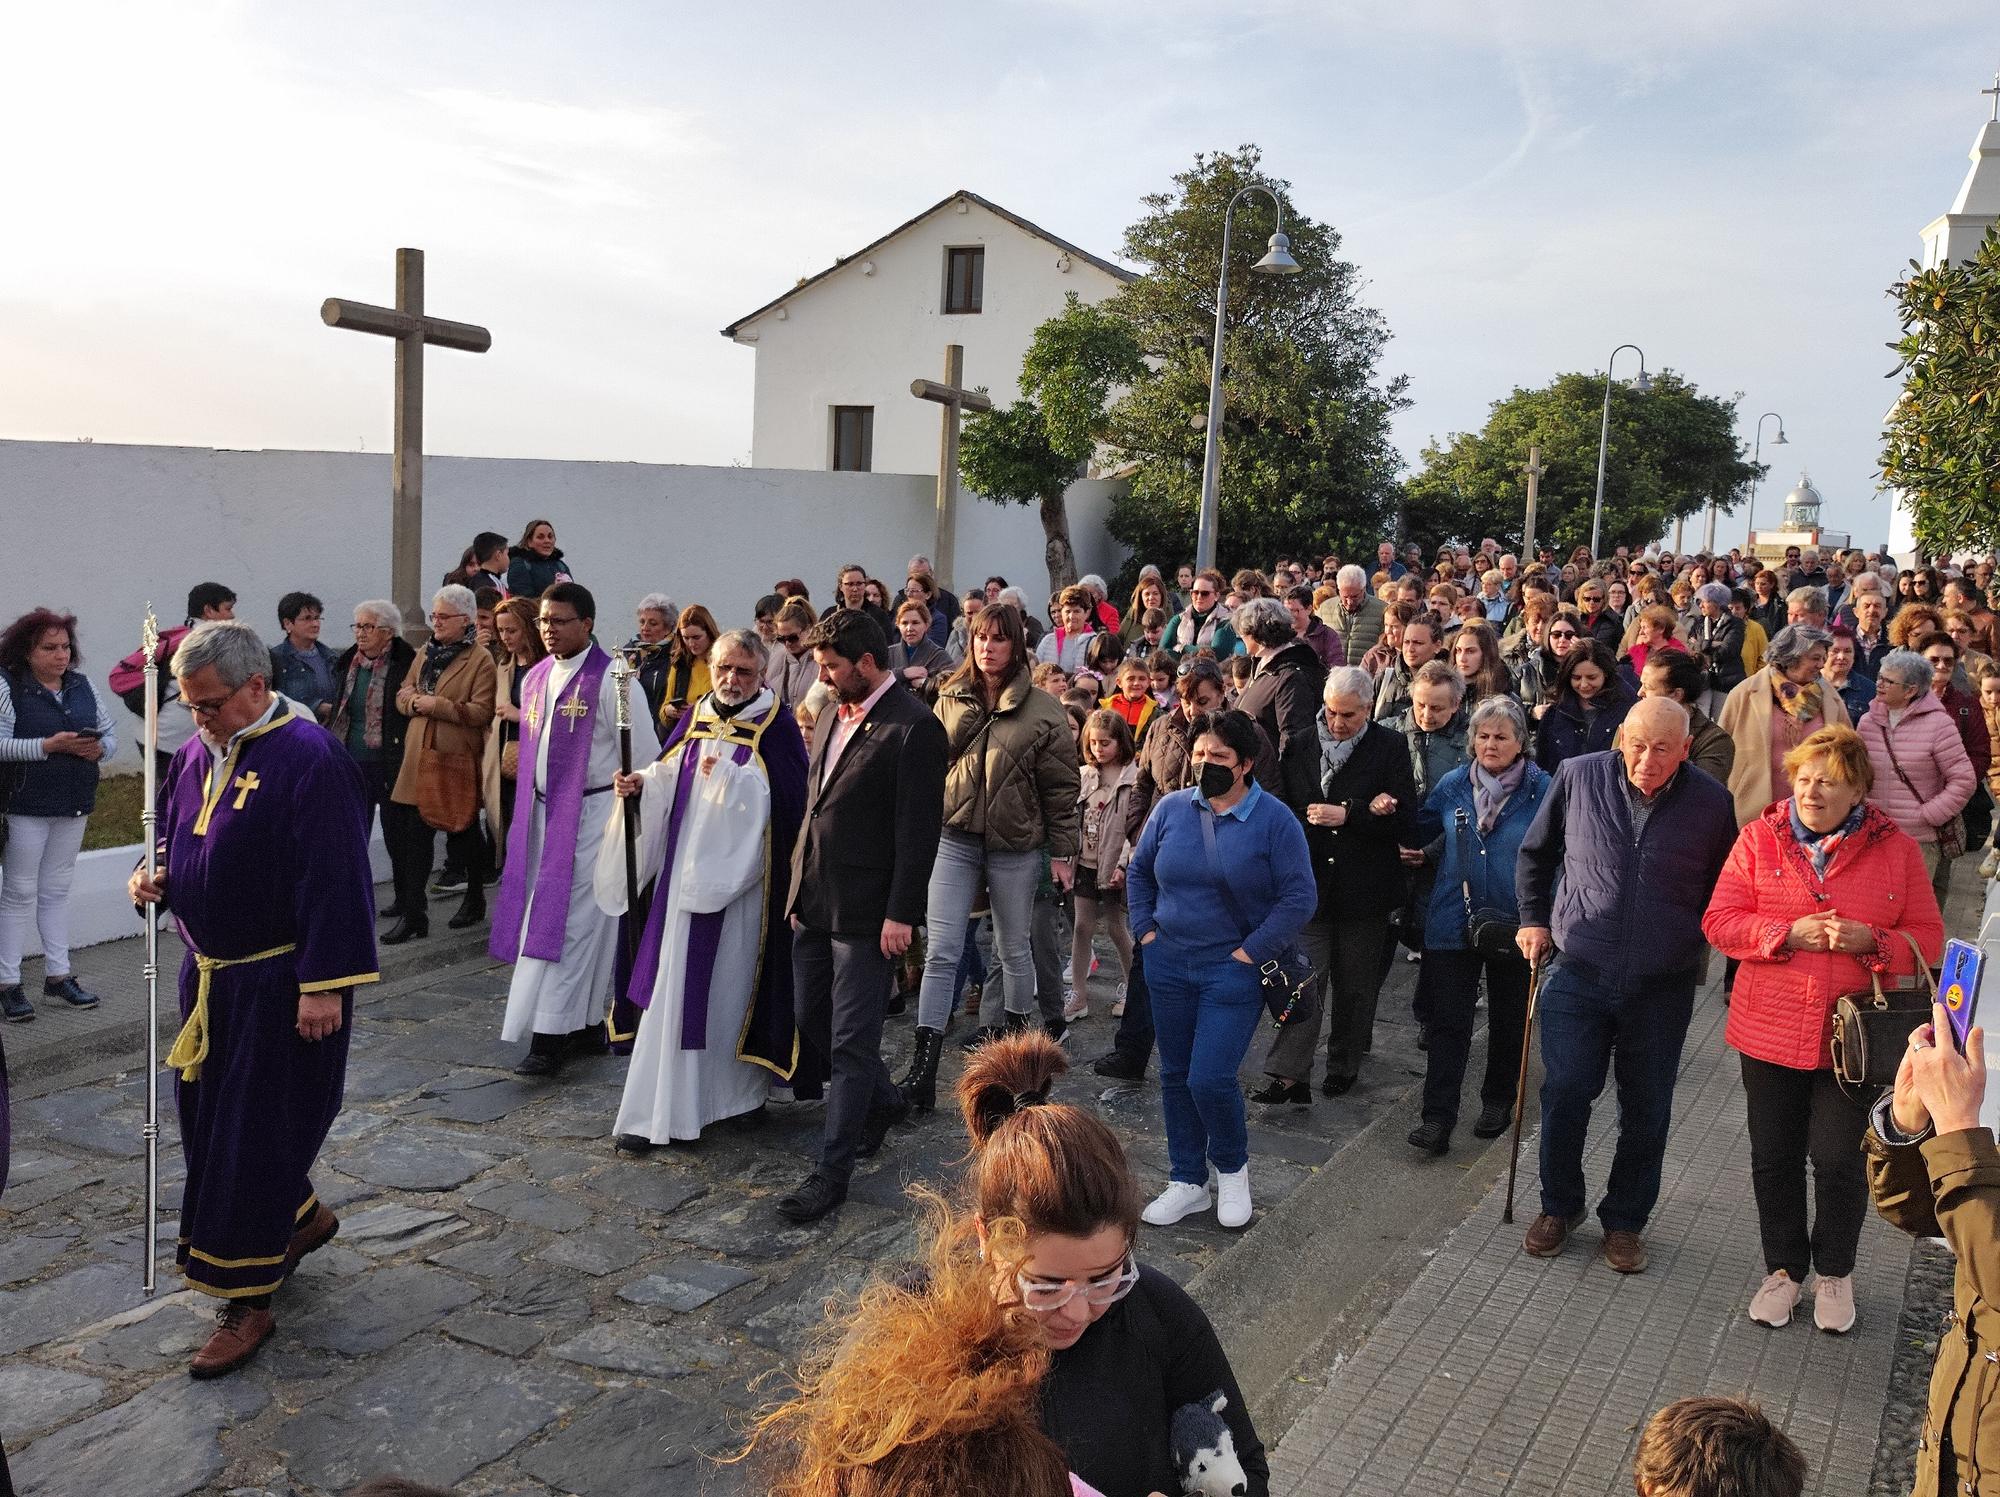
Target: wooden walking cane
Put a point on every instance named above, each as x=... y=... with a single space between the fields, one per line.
x=1521 y=1087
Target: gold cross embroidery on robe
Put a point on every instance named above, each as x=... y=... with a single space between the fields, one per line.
x=574 y=707
x=243 y=784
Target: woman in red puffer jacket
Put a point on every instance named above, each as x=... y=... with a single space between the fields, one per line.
x=1820 y=892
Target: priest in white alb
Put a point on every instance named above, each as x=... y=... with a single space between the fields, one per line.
x=546 y=920
x=712 y=975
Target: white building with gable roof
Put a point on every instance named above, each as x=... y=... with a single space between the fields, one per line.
x=837 y=352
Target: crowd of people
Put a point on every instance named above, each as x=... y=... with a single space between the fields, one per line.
x=1578 y=773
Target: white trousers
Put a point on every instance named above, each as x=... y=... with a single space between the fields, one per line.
x=40 y=863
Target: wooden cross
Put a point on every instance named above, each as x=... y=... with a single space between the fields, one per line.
x=1534 y=470
x=574 y=707
x=407 y=324
x=243 y=784
x=950 y=394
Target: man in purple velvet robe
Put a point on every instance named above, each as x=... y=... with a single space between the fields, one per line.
x=711 y=985
x=263 y=830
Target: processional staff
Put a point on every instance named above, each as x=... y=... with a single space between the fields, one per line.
x=621 y=674
x=149 y=818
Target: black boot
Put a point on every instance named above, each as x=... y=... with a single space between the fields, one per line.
x=980 y=1036
x=406 y=929
x=471 y=909
x=919 y=1087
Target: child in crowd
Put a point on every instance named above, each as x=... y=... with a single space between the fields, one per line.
x=1160 y=666
x=1079 y=702
x=1152 y=630
x=1052 y=678
x=1716 y=1447
x=1109 y=779
x=1237 y=671
x=1133 y=700
x=1103 y=655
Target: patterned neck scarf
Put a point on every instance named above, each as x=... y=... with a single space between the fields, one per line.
x=1335 y=752
x=1800 y=703
x=437 y=658
x=1490 y=792
x=372 y=708
x=1819 y=846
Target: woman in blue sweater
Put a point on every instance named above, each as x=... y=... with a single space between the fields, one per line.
x=1202 y=957
x=1478 y=813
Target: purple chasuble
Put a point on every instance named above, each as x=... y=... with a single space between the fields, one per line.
x=562 y=807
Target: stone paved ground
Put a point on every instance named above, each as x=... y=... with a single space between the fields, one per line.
x=508 y=1305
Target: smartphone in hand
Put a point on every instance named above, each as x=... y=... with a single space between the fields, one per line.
x=1958 y=987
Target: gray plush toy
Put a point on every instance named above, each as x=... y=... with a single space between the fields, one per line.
x=1204 y=1450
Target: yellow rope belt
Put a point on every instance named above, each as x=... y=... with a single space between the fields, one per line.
x=191 y=1044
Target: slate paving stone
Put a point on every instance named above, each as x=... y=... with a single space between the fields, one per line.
x=351 y=1125
x=599 y=1252
x=525 y=1201
x=171 y=1335
x=420 y=1006
x=511 y=1335
x=379 y=1080
x=25 y=1254
x=498 y=1098
x=544 y=1292
x=788 y=1314
x=496 y=1257
x=375 y=1312
x=32 y=1398
x=333 y=1262
x=337 y=1192
x=449 y=1042
x=57 y=1306
x=414 y=1159
x=160 y=1443
x=382 y=1231
x=652 y=1187
x=686 y=1285
x=387 y=1421
x=618 y=1446
x=28 y=1165
x=753 y=1230
x=92 y=1117
x=549 y=1166
x=661 y=1351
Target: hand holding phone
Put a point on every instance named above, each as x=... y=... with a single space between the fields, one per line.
x=1958 y=988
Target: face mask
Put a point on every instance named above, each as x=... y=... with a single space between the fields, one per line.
x=1217 y=780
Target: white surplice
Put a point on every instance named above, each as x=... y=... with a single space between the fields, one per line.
x=561 y=996
x=719 y=865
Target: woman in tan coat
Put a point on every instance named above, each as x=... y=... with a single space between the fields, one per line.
x=1772 y=712
x=448 y=697
x=520 y=643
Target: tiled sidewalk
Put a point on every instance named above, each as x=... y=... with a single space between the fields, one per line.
x=1500 y=1373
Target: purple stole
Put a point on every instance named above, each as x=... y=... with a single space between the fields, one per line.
x=569 y=763
x=705 y=927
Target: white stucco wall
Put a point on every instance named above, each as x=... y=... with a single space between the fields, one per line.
x=859 y=337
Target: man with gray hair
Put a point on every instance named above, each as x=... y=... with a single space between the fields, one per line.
x=263 y=829
x=1354 y=612
x=1638 y=837
x=708 y=1004
x=1806 y=605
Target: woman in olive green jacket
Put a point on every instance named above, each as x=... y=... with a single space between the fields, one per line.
x=1009 y=796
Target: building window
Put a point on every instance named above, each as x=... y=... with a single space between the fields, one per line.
x=964 y=280
x=853 y=438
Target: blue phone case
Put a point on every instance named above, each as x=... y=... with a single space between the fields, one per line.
x=1958 y=986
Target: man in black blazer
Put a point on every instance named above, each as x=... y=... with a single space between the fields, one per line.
x=861 y=873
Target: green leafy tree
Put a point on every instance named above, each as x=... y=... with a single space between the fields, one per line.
x=1306 y=457
x=1030 y=452
x=1671 y=449
x=1942 y=445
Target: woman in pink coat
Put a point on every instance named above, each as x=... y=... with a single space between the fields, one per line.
x=1923 y=776
x=1818 y=894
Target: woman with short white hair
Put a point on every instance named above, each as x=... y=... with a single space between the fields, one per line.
x=364 y=715
x=448 y=700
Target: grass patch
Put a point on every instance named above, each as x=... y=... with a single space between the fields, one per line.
x=115 y=822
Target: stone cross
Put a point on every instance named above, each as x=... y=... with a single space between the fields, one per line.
x=407 y=324
x=955 y=399
x=1534 y=470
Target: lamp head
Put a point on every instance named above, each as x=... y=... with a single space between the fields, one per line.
x=1278 y=258
x=1779 y=439
x=1643 y=383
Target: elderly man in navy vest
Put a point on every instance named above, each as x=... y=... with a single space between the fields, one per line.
x=1639 y=837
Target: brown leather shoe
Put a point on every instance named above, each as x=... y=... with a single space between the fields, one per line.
x=1625 y=1252
x=314 y=1233
x=239 y=1331
x=1549 y=1235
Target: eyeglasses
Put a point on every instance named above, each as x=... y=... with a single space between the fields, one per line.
x=371 y=628
x=1562 y=634
x=790 y=639
x=1203 y=592
x=548 y=621
x=209 y=709
x=1044 y=1296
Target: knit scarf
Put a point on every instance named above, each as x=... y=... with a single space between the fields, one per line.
x=1334 y=753
x=437 y=658
x=1800 y=703
x=1491 y=791
x=1819 y=846
x=371 y=710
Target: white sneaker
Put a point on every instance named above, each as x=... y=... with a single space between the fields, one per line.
x=1774 y=1301
x=1232 y=1197
x=1178 y=1200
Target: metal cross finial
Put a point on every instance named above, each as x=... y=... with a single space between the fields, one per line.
x=1995 y=91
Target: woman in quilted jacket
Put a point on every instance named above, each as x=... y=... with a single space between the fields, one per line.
x=1010 y=794
x=1821 y=893
x=1923 y=776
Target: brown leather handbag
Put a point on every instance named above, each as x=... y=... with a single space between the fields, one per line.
x=1871 y=1030
x=447 y=789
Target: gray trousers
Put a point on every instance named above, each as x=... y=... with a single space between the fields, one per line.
x=1049 y=940
x=1347 y=953
x=841 y=992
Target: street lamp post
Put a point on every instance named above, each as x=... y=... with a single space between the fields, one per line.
x=1277 y=261
x=1756 y=460
x=1642 y=385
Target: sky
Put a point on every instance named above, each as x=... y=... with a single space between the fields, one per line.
x=1729 y=184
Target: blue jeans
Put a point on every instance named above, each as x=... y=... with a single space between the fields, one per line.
x=1010 y=878
x=1204 y=1015
x=1594 y=1021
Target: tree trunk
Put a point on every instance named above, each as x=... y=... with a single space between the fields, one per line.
x=1057 y=552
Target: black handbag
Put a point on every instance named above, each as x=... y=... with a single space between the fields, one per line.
x=1486 y=930
x=1871 y=1030
x=1285 y=981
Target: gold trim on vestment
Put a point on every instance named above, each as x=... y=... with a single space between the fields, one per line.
x=214 y=788
x=244 y=1293
x=215 y=1262
x=360 y=979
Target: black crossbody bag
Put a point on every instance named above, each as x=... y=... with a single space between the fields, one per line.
x=1285 y=981
x=1486 y=930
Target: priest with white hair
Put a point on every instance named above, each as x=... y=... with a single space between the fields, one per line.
x=712 y=975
